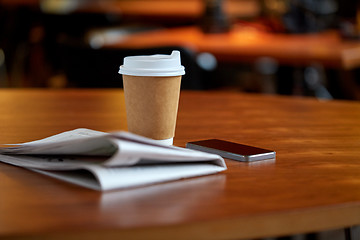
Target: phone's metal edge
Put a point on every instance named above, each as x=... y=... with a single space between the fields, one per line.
x=242 y=158
x=263 y=156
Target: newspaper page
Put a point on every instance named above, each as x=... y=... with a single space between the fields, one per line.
x=105 y=161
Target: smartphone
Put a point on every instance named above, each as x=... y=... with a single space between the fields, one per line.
x=232 y=150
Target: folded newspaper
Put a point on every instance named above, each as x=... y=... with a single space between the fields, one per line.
x=106 y=161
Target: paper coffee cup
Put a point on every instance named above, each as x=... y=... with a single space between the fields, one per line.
x=152 y=89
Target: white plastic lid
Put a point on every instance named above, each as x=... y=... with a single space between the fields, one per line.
x=153 y=65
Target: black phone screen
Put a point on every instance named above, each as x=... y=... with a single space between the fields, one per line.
x=232 y=150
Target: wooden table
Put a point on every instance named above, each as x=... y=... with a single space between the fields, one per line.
x=170 y=8
x=313 y=185
x=191 y=9
x=247 y=43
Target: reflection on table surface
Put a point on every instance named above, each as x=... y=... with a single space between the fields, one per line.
x=312 y=186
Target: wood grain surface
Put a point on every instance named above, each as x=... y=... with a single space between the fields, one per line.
x=313 y=185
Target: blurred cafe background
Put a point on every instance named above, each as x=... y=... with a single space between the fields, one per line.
x=288 y=47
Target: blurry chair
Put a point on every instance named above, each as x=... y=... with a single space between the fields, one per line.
x=16 y=24
x=300 y=16
x=3 y=75
x=98 y=68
